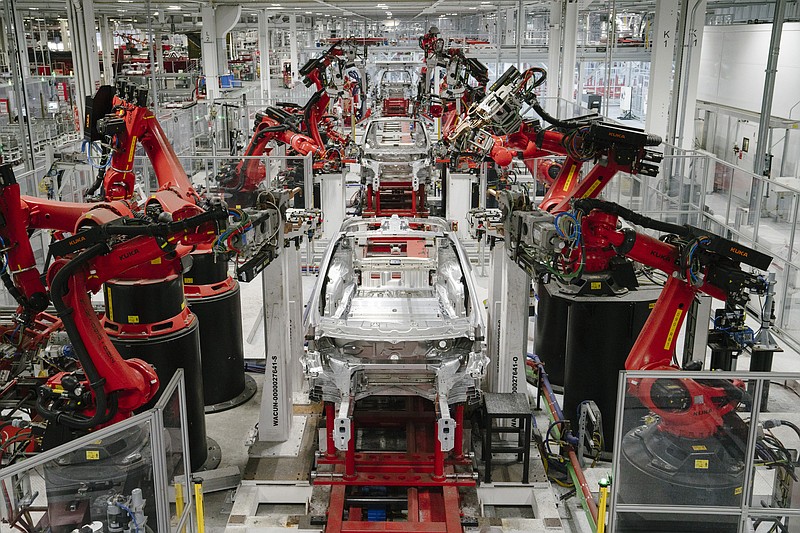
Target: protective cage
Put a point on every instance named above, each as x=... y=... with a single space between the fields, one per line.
x=672 y=474
x=70 y=486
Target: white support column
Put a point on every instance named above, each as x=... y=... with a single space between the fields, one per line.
x=658 y=94
x=691 y=74
x=294 y=299
x=293 y=46
x=493 y=315
x=92 y=51
x=275 y=416
x=263 y=47
x=209 y=51
x=554 y=49
x=107 y=40
x=24 y=61
x=498 y=32
x=520 y=32
x=65 y=34
x=159 y=52
x=217 y=22
x=4 y=46
x=569 y=51
x=513 y=337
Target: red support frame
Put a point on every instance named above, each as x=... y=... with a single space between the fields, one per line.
x=428 y=474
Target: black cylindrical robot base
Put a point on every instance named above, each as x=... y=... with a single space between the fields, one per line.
x=600 y=333
x=80 y=482
x=219 y=312
x=658 y=468
x=220 y=318
x=550 y=340
x=761 y=361
x=167 y=353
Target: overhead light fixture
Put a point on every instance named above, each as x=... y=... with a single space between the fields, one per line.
x=275 y=5
x=174 y=8
x=125 y=1
x=34 y=8
x=309 y=13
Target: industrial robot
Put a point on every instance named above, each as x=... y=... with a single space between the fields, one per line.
x=690 y=419
x=457 y=94
x=496 y=128
x=307 y=129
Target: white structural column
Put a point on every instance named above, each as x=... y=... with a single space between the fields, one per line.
x=263 y=59
x=159 y=52
x=275 y=416
x=663 y=51
x=4 y=46
x=217 y=22
x=498 y=31
x=86 y=63
x=521 y=25
x=493 y=317
x=569 y=51
x=293 y=47
x=691 y=72
x=507 y=322
x=294 y=299
x=107 y=42
x=209 y=51
x=65 y=36
x=554 y=49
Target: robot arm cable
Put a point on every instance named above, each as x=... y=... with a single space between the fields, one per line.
x=105 y=410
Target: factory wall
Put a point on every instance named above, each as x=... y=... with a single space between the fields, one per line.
x=732 y=67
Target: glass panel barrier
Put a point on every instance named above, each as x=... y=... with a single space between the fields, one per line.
x=113 y=479
x=695 y=453
x=171 y=409
x=106 y=477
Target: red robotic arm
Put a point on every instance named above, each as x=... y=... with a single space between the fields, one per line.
x=291 y=125
x=110 y=388
x=495 y=127
x=695 y=261
x=119 y=116
x=272 y=125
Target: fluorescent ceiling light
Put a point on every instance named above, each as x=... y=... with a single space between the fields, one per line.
x=174 y=8
x=309 y=13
